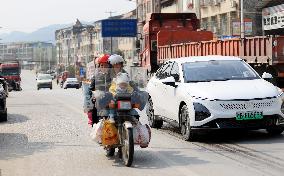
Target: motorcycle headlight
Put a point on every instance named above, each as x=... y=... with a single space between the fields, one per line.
x=201 y=112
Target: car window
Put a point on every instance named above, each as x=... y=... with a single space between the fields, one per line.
x=44 y=77
x=165 y=71
x=204 y=71
x=175 y=72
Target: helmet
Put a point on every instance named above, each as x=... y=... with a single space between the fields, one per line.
x=122 y=78
x=115 y=59
x=103 y=59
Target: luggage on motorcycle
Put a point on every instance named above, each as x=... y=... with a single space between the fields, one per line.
x=109 y=133
x=96 y=133
x=142 y=135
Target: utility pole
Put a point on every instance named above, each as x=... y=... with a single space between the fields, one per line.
x=110 y=15
x=242 y=19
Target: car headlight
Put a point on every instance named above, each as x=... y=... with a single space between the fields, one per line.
x=201 y=112
x=282 y=107
x=280 y=93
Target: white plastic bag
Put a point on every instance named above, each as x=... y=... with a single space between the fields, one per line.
x=96 y=133
x=88 y=104
x=142 y=135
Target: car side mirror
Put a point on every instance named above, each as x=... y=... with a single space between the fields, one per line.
x=266 y=76
x=170 y=81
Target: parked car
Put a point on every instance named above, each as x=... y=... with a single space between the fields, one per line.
x=71 y=83
x=44 y=81
x=214 y=92
x=5 y=86
x=3 y=108
x=52 y=73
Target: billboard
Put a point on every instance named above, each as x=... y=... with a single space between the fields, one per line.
x=273 y=17
x=119 y=28
x=237 y=27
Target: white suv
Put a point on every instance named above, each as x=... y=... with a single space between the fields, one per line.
x=213 y=92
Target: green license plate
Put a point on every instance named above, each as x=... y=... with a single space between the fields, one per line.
x=252 y=115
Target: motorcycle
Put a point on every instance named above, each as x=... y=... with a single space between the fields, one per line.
x=120 y=109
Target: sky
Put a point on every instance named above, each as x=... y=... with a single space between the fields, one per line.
x=30 y=15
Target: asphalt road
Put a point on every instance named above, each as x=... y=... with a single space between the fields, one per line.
x=47 y=134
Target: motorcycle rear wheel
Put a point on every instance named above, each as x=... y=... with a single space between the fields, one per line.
x=110 y=152
x=128 y=146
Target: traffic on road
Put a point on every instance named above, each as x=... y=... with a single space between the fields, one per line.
x=148 y=93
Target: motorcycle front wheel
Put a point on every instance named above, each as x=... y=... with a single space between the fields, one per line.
x=128 y=146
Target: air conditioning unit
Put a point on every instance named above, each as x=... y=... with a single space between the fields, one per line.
x=214 y=30
x=233 y=3
x=217 y=2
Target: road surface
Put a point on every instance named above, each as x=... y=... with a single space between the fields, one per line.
x=47 y=134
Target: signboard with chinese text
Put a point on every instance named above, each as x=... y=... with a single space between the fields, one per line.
x=119 y=28
x=273 y=17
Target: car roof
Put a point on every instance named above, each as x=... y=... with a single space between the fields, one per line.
x=202 y=58
x=44 y=74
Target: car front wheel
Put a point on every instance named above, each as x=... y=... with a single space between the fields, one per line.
x=186 y=131
x=154 y=123
x=275 y=130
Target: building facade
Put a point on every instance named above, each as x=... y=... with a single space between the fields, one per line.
x=222 y=17
x=38 y=55
x=75 y=45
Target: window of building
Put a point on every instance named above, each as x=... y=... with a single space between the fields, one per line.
x=148 y=7
x=223 y=24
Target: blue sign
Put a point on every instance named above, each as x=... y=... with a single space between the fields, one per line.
x=119 y=28
x=82 y=71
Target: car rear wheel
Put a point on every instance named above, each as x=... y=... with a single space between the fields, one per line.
x=275 y=130
x=154 y=123
x=186 y=131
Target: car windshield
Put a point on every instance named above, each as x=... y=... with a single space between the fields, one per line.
x=44 y=77
x=10 y=71
x=72 y=79
x=223 y=70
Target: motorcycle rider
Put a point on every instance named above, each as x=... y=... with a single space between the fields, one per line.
x=100 y=82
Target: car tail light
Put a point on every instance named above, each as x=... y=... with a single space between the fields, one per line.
x=124 y=105
x=112 y=105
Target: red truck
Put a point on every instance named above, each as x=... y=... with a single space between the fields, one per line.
x=264 y=54
x=169 y=28
x=11 y=72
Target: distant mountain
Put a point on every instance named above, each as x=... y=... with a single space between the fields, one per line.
x=42 y=34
